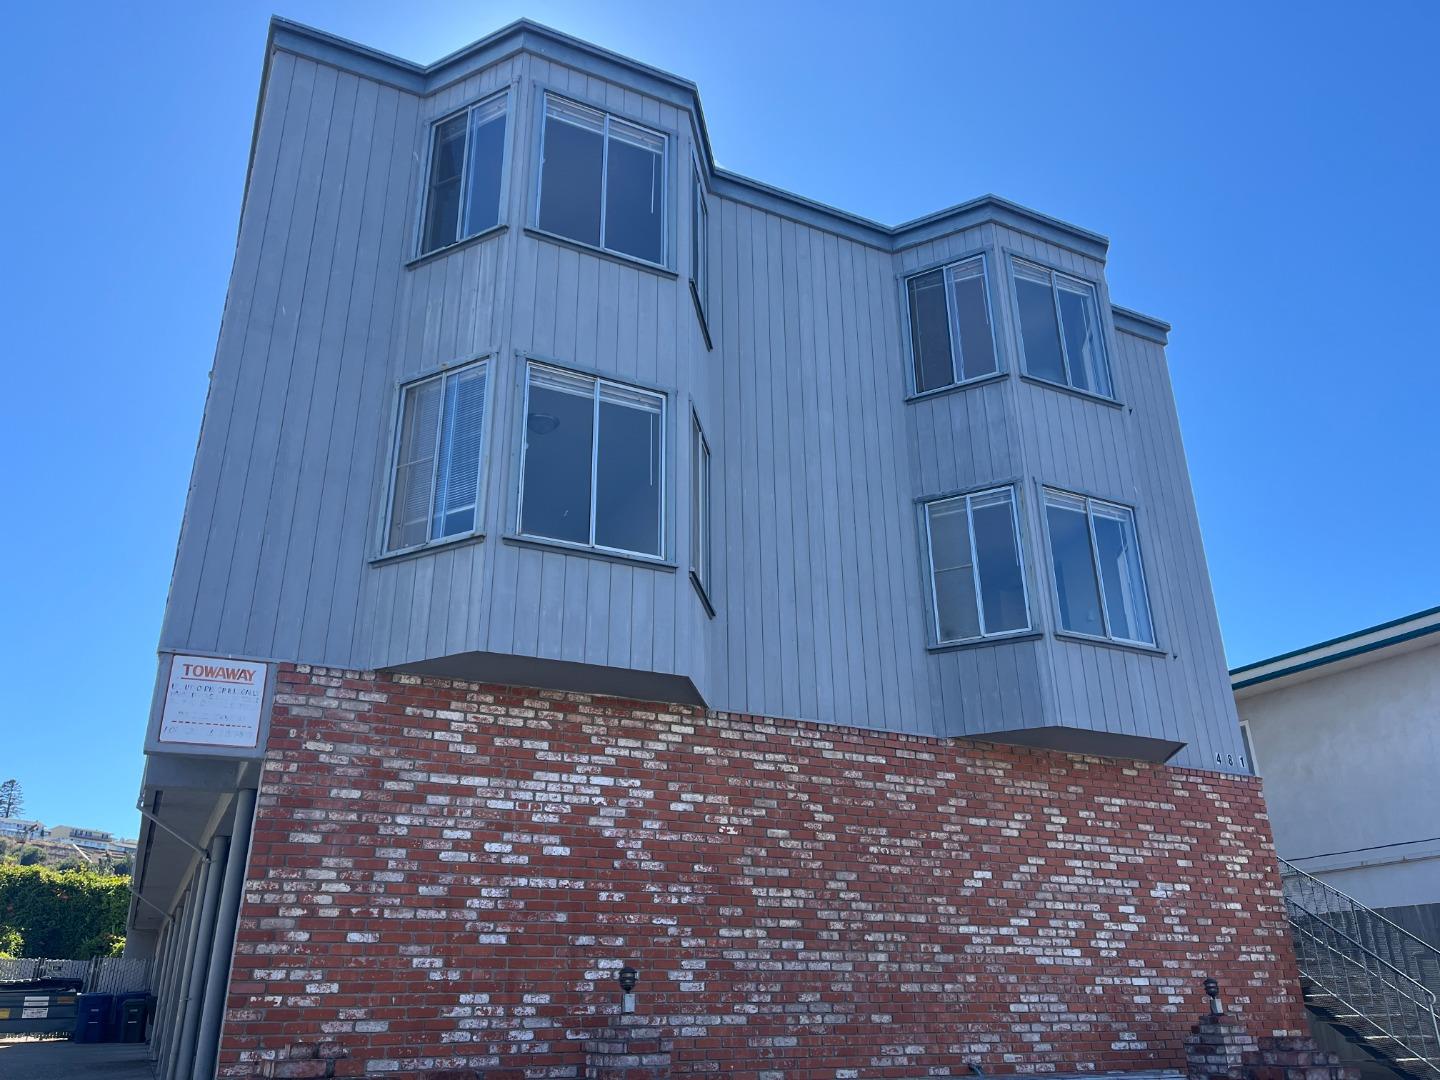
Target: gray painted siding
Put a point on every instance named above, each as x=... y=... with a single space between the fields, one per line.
x=819 y=583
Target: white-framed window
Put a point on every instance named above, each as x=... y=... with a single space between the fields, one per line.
x=465 y=174
x=952 y=336
x=1062 y=338
x=592 y=468
x=977 y=572
x=435 y=473
x=1095 y=560
x=699 y=242
x=700 y=535
x=602 y=181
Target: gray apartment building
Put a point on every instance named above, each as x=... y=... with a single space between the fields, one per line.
x=596 y=559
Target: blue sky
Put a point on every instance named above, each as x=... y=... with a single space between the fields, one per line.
x=1266 y=174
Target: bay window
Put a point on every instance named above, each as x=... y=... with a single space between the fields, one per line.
x=977 y=574
x=1099 y=579
x=592 y=463
x=435 y=478
x=462 y=191
x=952 y=338
x=602 y=181
x=1061 y=336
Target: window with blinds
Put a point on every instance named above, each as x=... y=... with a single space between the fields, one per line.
x=602 y=181
x=435 y=486
x=977 y=573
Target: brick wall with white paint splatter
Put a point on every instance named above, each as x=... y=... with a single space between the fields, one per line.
x=447 y=876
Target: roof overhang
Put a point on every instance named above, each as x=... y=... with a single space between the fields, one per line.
x=1367 y=646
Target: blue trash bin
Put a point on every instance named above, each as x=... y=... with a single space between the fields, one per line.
x=92 y=1017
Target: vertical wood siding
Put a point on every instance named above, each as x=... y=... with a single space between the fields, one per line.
x=819 y=579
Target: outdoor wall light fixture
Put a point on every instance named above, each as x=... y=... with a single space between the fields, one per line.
x=627 y=978
x=1212 y=991
x=542 y=423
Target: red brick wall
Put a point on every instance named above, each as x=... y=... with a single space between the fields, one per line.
x=447 y=876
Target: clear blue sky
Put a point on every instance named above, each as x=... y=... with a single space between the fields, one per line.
x=1267 y=175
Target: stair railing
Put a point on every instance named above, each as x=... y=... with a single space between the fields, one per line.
x=1379 y=971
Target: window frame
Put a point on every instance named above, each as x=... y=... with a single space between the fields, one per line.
x=667 y=139
x=702 y=531
x=1109 y=637
x=1054 y=275
x=700 y=248
x=1016 y=516
x=485 y=361
x=506 y=155
x=662 y=530
x=913 y=380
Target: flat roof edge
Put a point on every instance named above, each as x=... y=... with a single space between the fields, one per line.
x=1144 y=326
x=421 y=79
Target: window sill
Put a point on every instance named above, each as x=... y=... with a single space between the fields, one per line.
x=427 y=549
x=1099 y=399
x=1109 y=643
x=563 y=548
x=450 y=249
x=604 y=253
x=980 y=643
x=700 y=314
x=700 y=591
x=954 y=388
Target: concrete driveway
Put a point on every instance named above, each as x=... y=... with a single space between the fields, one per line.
x=57 y=1059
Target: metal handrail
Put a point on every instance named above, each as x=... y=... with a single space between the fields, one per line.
x=1392 y=992
x=1425 y=991
x=1291 y=868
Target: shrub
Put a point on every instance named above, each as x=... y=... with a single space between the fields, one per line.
x=70 y=914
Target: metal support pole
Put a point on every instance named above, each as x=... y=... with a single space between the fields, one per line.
x=174 y=946
x=158 y=970
x=222 y=948
x=195 y=982
x=177 y=978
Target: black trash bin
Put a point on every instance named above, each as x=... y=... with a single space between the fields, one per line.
x=132 y=1013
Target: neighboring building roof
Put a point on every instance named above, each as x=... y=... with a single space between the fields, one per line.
x=523 y=34
x=1350 y=650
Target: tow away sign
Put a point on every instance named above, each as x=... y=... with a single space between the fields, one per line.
x=211 y=702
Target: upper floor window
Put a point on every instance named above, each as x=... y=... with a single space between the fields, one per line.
x=699 y=242
x=1095 y=557
x=467 y=154
x=592 y=464
x=700 y=539
x=1061 y=335
x=435 y=484
x=952 y=339
x=977 y=577
x=602 y=181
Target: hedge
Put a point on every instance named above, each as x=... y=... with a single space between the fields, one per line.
x=63 y=914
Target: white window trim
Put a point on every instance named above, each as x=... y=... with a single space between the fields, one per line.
x=1054 y=276
x=1090 y=503
x=599 y=381
x=419 y=247
x=388 y=510
x=945 y=268
x=702 y=553
x=966 y=497
x=700 y=242
x=665 y=142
